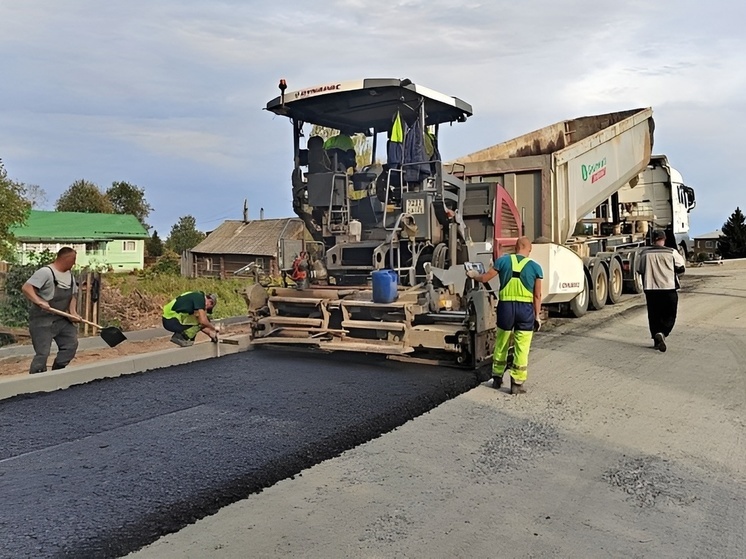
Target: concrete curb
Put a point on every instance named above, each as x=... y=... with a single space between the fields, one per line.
x=70 y=376
x=95 y=342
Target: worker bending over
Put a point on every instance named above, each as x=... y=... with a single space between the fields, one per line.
x=518 y=312
x=187 y=314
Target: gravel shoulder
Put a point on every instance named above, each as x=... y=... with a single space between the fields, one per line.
x=617 y=451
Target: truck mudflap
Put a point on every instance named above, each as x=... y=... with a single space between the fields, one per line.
x=342 y=319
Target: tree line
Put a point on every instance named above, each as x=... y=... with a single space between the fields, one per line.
x=18 y=198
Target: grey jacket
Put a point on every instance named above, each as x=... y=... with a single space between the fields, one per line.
x=660 y=267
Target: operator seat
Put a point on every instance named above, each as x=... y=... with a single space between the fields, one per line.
x=317 y=159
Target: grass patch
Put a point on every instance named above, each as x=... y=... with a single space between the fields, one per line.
x=167 y=286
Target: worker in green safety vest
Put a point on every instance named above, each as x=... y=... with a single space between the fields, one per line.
x=518 y=312
x=343 y=147
x=187 y=314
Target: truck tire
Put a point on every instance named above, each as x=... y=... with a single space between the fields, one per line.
x=616 y=282
x=636 y=286
x=579 y=305
x=599 y=287
x=633 y=285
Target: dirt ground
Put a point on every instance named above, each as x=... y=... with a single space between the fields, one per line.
x=618 y=450
x=20 y=365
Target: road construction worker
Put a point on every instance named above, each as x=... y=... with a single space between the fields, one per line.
x=53 y=287
x=187 y=314
x=659 y=267
x=344 y=148
x=518 y=312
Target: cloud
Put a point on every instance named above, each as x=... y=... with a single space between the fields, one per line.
x=172 y=92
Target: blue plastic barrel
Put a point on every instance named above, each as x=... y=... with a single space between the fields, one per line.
x=384 y=286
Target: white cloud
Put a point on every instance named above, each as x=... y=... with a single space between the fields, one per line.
x=168 y=90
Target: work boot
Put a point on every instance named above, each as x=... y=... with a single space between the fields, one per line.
x=516 y=387
x=497 y=381
x=181 y=340
x=660 y=342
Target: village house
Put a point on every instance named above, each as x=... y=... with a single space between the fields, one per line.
x=707 y=244
x=103 y=241
x=236 y=243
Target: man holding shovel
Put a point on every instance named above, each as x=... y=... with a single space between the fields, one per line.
x=187 y=314
x=53 y=287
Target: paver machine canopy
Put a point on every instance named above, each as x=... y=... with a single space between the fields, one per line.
x=354 y=214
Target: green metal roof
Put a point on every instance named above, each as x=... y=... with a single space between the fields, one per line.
x=75 y=226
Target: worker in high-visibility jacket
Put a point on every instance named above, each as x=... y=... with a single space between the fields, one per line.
x=518 y=312
x=343 y=147
x=186 y=316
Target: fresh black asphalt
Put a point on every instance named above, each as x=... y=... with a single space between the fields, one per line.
x=101 y=469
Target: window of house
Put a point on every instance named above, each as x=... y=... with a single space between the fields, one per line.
x=129 y=246
x=208 y=264
x=259 y=262
x=708 y=244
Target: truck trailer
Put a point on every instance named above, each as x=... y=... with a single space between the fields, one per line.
x=589 y=193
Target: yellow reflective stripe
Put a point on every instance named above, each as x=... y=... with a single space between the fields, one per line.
x=517 y=266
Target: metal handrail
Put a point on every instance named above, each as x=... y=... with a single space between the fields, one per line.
x=345 y=212
x=388 y=188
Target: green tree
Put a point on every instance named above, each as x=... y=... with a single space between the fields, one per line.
x=14 y=306
x=14 y=210
x=154 y=245
x=84 y=196
x=184 y=235
x=129 y=199
x=732 y=242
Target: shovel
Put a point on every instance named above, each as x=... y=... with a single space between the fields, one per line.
x=111 y=335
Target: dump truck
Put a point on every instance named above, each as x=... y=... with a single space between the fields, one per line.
x=589 y=193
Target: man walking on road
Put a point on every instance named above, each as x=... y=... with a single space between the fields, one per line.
x=660 y=267
x=187 y=314
x=53 y=287
x=518 y=312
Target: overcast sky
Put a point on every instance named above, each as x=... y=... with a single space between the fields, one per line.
x=168 y=94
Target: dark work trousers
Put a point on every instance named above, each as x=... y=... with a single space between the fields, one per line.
x=662 y=306
x=43 y=330
x=173 y=325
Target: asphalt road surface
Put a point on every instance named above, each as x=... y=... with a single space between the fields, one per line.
x=102 y=469
x=618 y=450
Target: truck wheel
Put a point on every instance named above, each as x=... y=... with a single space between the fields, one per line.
x=636 y=285
x=599 y=287
x=616 y=282
x=579 y=305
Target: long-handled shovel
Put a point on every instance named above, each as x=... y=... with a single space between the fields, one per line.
x=111 y=335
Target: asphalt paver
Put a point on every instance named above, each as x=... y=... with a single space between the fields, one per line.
x=101 y=469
